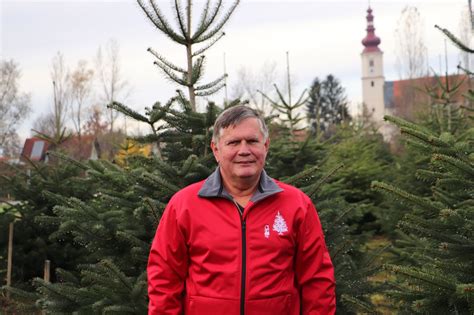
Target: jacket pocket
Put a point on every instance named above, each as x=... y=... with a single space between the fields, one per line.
x=200 y=305
x=278 y=305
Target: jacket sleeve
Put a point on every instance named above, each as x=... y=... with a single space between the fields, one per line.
x=314 y=269
x=167 y=266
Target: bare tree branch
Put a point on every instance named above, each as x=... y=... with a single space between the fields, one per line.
x=81 y=88
x=114 y=87
x=14 y=107
x=411 y=50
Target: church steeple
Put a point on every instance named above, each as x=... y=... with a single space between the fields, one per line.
x=371 y=41
x=373 y=80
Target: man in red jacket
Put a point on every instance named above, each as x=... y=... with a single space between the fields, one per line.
x=240 y=242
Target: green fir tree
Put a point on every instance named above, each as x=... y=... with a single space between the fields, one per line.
x=327 y=105
x=34 y=239
x=434 y=269
x=206 y=33
x=289 y=110
x=436 y=275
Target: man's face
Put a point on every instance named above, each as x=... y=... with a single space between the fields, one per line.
x=241 y=151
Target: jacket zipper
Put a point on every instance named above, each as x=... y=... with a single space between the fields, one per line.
x=244 y=259
x=244 y=268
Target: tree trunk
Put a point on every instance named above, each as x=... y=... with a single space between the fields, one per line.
x=189 y=55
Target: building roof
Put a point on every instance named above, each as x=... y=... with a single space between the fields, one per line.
x=86 y=147
x=82 y=148
x=405 y=97
x=371 y=41
x=34 y=149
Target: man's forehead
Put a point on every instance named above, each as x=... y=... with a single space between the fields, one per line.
x=240 y=130
x=241 y=122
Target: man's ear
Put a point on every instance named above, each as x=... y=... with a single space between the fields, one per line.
x=215 y=150
x=213 y=146
x=267 y=144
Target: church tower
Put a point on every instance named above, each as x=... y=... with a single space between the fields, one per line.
x=372 y=72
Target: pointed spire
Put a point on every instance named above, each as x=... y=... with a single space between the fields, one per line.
x=370 y=41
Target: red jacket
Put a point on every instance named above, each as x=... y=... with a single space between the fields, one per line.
x=209 y=258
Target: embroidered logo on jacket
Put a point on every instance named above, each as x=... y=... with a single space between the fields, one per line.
x=266 y=232
x=279 y=225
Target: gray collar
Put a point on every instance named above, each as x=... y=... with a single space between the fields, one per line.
x=213 y=187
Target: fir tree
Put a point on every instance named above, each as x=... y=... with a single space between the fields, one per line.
x=437 y=276
x=435 y=270
x=335 y=111
x=288 y=157
x=327 y=105
x=34 y=240
x=313 y=107
x=365 y=158
x=285 y=106
x=208 y=31
x=434 y=273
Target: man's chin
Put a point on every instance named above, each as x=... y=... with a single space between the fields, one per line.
x=244 y=176
x=248 y=175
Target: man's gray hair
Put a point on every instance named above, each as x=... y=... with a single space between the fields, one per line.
x=232 y=116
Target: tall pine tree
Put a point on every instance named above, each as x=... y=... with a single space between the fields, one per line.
x=435 y=274
x=327 y=105
x=208 y=31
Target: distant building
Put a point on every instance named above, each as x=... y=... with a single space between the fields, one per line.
x=86 y=147
x=373 y=79
x=409 y=98
x=403 y=98
x=34 y=149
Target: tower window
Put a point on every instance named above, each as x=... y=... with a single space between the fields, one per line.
x=372 y=83
x=371 y=62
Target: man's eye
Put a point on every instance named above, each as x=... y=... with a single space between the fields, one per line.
x=233 y=142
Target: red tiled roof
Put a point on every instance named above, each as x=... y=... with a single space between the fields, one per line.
x=79 y=148
x=407 y=97
x=34 y=149
x=425 y=82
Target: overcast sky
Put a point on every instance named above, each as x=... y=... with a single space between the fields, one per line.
x=322 y=37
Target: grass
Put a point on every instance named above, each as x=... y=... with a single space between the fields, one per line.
x=382 y=303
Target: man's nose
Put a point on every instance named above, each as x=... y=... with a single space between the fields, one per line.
x=244 y=148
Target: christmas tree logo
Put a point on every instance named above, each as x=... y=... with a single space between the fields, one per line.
x=279 y=225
